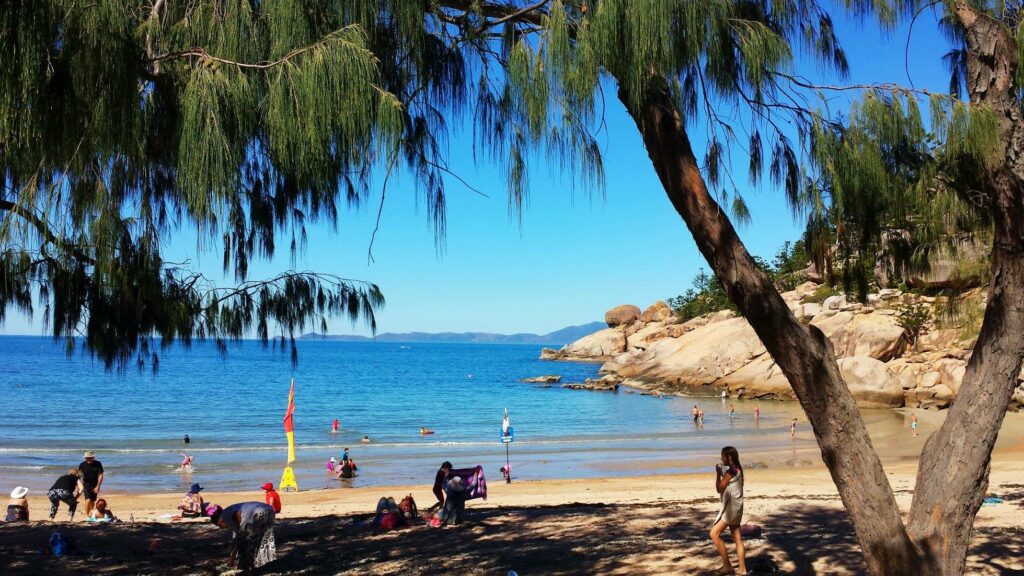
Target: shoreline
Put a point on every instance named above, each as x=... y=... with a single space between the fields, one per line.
x=775 y=482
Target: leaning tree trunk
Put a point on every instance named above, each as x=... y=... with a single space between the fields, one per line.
x=954 y=465
x=803 y=353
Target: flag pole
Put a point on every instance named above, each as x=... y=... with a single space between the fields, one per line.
x=508 y=478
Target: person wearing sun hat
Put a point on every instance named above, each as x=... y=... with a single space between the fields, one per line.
x=192 y=505
x=272 y=497
x=17 y=507
x=92 y=479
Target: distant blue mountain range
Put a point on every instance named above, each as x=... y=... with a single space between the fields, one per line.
x=558 y=337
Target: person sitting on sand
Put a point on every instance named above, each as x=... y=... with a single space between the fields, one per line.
x=101 y=513
x=729 y=484
x=17 y=506
x=192 y=505
x=66 y=489
x=438 y=489
x=252 y=526
x=272 y=497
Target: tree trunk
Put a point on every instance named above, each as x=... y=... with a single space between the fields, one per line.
x=803 y=353
x=954 y=466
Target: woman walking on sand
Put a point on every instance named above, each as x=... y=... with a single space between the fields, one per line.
x=729 y=484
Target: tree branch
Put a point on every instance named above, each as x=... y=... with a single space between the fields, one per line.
x=48 y=235
x=201 y=52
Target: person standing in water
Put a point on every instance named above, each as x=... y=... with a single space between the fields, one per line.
x=757 y=411
x=792 y=429
x=732 y=411
x=334 y=427
x=729 y=485
x=186 y=439
x=695 y=412
x=913 y=423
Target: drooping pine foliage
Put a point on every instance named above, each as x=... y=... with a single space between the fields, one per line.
x=125 y=122
x=893 y=185
x=128 y=121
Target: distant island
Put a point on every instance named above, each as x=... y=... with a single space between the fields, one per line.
x=563 y=336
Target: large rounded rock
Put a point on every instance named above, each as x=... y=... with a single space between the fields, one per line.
x=657 y=312
x=874 y=335
x=600 y=345
x=871 y=384
x=620 y=315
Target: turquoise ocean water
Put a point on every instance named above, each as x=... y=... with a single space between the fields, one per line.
x=232 y=407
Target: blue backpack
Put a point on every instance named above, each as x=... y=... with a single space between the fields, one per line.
x=61 y=545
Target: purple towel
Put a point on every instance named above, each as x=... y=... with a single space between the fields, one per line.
x=474 y=481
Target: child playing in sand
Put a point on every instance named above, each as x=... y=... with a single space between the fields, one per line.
x=101 y=513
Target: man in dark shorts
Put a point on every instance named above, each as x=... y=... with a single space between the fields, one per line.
x=92 y=479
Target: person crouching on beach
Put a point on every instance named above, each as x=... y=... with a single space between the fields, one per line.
x=729 y=484
x=252 y=526
x=272 y=497
x=66 y=489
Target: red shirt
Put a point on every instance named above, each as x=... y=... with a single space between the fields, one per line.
x=274 y=500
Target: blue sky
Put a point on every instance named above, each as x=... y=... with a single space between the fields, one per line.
x=576 y=254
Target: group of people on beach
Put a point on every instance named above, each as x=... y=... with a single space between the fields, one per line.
x=251 y=523
x=85 y=481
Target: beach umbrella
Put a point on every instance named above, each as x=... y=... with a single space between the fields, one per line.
x=507 y=437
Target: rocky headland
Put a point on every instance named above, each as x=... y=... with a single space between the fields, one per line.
x=653 y=351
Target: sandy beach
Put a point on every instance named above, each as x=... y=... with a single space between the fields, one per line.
x=623 y=525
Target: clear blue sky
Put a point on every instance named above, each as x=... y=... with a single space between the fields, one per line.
x=576 y=255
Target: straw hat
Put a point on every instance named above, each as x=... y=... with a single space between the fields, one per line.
x=19 y=492
x=90 y=454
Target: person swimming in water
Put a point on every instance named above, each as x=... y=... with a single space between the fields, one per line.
x=186 y=462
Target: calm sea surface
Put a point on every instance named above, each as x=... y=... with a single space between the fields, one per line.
x=56 y=406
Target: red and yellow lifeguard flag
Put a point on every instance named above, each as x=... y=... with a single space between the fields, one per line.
x=289 y=423
x=288 y=477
